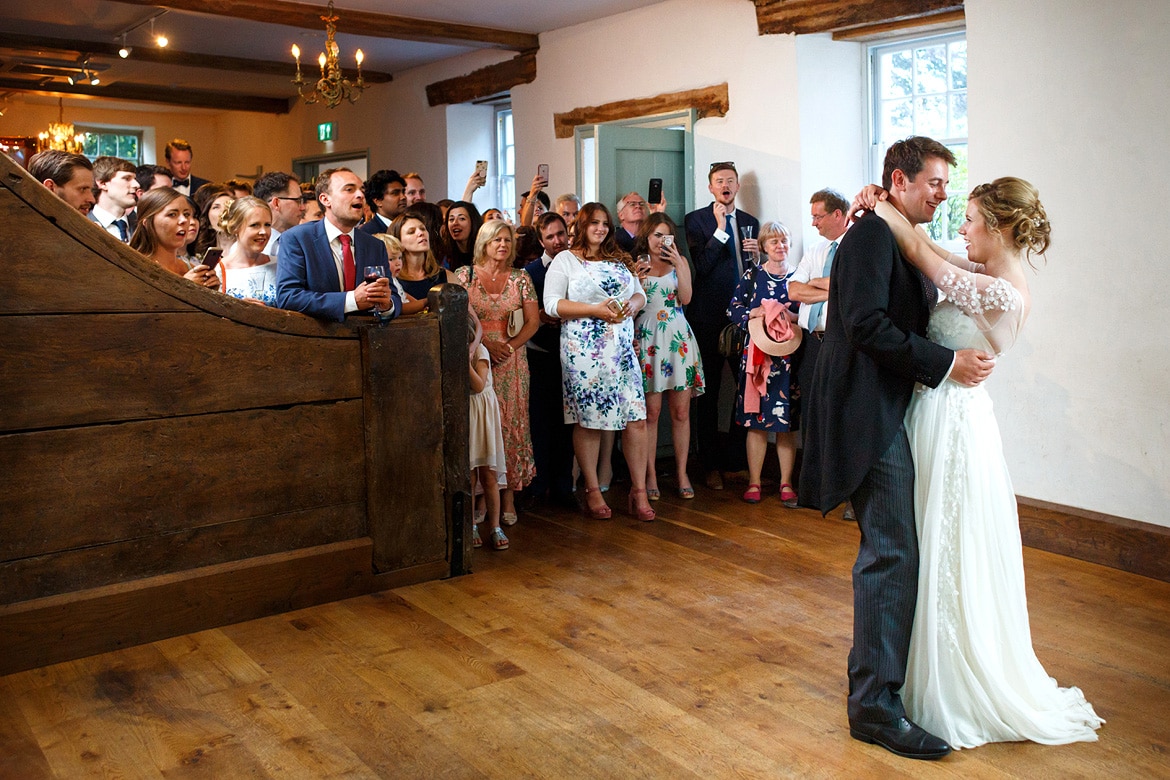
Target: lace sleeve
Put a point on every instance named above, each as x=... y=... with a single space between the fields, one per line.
x=995 y=306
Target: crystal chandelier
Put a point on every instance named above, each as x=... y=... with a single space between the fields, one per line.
x=333 y=86
x=61 y=135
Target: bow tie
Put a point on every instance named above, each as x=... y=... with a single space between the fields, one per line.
x=182 y=182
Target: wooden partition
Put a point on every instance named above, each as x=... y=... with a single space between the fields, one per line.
x=173 y=459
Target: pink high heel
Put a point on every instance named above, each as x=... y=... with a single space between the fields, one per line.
x=645 y=515
x=602 y=512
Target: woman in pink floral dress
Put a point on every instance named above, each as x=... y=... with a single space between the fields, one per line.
x=495 y=289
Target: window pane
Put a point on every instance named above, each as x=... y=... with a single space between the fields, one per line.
x=959 y=183
x=958 y=115
x=930 y=116
x=507 y=118
x=958 y=65
x=510 y=161
x=896 y=75
x=897 y=120
x=930 y=70
x=108 y=145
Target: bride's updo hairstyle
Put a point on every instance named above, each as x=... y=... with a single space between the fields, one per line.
x=235 y=214
x=1013 y=205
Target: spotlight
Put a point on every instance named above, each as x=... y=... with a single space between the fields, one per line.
x=70 y=80
x=124 y=52
x=94 y=80
x=162 y=41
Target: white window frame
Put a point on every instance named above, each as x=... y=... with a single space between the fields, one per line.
x=957 y=189
x=505 y=173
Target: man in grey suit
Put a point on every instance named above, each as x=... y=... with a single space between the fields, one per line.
x=875 y=349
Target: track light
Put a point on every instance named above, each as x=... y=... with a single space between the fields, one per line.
x=124 y=52
x=70 y=80
x=94 y=80
x=160 y=40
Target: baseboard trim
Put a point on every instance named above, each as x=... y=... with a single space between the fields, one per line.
x=1117 y=542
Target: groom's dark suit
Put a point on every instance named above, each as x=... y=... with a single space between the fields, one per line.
x=875 y=349
x=306 y=278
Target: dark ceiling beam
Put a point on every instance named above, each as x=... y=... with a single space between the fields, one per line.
x=196 y=98
x=168 y=56
x=818 y=16
x=491 y=80
x=353 y=22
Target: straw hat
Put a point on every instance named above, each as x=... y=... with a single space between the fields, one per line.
x=768 y=345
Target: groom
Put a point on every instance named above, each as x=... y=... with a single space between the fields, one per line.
x=875 y=349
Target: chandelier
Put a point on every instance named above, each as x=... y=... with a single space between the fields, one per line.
x=333 y=86
x=61 y=135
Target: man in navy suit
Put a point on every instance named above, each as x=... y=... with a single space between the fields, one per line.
x=552 y=438
x=385 y=191
x=719 y=259
x=321 y=263
x=855 y=445
x=179 y=154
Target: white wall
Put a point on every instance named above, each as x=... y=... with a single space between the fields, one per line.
x=1072 y=95
x=470 y=137
x=670 y=47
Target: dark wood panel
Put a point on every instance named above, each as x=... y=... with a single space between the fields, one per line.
x=187 y=548
x=1129 y=545
x=452 y=302
x=70 y=488
x=124 y=90
x=484 y=82
x=708 y=101
x=404 y=447
x=817 y=16
x=47 y=631
x=86 y=368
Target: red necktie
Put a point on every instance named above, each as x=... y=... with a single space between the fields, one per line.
x=350 y=269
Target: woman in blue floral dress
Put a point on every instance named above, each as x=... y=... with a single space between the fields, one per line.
x=667 y=347
x=593 y=289
x=775 y=415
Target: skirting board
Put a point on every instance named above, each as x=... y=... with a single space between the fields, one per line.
x=1129 y=545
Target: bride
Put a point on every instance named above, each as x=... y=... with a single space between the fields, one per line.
x=973 y=676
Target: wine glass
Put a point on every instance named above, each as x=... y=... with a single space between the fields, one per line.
x=746 y=232
x=643 y=266
x=371 y=274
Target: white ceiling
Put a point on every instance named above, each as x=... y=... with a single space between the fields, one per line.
x=102 y=20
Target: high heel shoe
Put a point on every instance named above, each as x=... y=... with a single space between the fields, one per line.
x=645 y=515
x=602 y=512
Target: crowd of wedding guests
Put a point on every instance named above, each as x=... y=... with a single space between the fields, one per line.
x=584 y=322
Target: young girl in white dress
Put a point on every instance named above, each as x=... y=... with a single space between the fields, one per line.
x=486 y=437
x=972 y=675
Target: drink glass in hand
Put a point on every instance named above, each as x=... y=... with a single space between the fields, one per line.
x=746 y=231
x=643 y=266
x=371 y=274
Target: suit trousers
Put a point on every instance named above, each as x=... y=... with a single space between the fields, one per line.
x=885 y=586
x=715 y=452
x=552 y=437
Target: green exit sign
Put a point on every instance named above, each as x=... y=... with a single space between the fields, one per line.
x=325 y=131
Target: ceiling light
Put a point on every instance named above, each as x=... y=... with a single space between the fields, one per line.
x=124 y=52
x=160 y=40
x=94 y=80
x=70 y=80
x=333 y=86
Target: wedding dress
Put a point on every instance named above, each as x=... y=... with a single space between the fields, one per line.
x=973 y=676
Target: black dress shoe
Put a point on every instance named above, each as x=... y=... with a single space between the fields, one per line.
x=902 y=738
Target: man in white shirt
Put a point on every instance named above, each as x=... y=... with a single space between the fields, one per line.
x=282 y=192
x=809 y=284
x=116 y=188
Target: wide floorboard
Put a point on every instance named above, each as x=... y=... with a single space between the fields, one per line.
x=711 y=643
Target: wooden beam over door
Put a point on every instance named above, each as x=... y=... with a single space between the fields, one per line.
x=708 y=101
x=502 y=76
x=167 y=56
x=818 y=16
x=353 y=22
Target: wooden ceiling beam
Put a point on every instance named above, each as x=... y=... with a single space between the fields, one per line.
x=521 y=69
x=920 y=25
x=166 y=56
x=818 y=16
x=353 y=22
x=708 y=101
x=196 y=98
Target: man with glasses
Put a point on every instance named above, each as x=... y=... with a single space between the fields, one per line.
x=282 y=193
x=720 y=258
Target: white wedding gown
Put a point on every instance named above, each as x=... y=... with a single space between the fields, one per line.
x=972 y=676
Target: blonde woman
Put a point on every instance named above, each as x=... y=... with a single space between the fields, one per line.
x=246 y=272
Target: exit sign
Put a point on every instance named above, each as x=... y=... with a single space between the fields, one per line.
x=325 y=131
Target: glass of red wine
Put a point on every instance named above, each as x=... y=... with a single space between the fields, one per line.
x=371 y=274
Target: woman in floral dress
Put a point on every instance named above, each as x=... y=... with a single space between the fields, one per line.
x=592 y=288
x=666 y=346
x=495 y=289
x=768 y=281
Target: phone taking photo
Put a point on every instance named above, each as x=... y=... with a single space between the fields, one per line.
x=481 y=167
x=655 y=194
x=542 y=172
x=211 y=257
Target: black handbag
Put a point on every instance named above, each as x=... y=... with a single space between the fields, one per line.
x=732 y=336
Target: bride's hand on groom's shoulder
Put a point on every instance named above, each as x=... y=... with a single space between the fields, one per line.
x=865 y=200
x=971 y=367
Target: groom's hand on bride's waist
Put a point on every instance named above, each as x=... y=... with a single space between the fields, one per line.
x=971 y=367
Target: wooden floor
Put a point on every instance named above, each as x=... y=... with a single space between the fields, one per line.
x=709 y=644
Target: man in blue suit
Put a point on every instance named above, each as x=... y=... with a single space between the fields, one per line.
x=321 y=263
x=719 y=259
